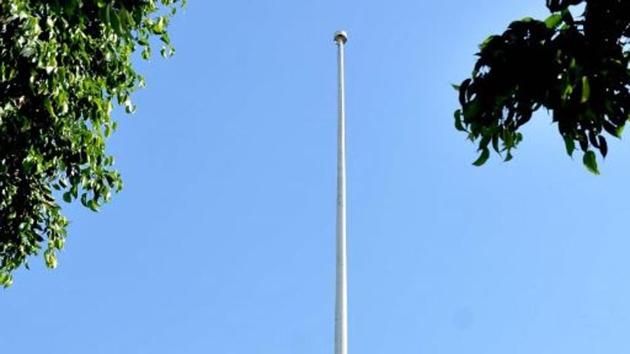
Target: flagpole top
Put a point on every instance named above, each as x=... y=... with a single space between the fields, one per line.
x=341 y=37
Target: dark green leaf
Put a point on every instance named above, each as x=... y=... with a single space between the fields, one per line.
x=590 y=161
x=586 y=89
x=485 y=154
x=569 y=144
x=603 y=146
x=576 y=69
x=92 y=205
x=458 y=121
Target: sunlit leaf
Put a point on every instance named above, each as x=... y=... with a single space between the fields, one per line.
x=62 y=66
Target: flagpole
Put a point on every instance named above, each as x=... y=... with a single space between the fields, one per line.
x=341 y=302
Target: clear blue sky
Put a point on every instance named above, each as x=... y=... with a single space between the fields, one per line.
x=223 y=238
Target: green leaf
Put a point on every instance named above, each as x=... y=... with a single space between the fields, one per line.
x=146 y=53
x=108 y=9
x=487 y=41
x=49 y=107
x=619 y=130
x=569 y=144
x=458 y=121
x=485 y=154
x=50 y=258
x=67 y=197
x=58 y=243
x=495 y=142
x=508 y=139
x=603 y=146
x=92 y=205
x=568 y=91
x=590 y=162
x=471 y=111
x=586 y=90
x=553 y=21
x=6 y=280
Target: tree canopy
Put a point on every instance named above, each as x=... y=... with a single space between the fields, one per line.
x=575 y=67
x=64 y=66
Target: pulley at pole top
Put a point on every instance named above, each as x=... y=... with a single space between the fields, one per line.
x=341 y=37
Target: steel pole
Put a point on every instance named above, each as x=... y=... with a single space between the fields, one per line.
x=341 y=303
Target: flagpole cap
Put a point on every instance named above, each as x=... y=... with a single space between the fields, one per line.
x=341 y=37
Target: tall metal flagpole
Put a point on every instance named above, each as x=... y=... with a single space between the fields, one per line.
x=341 y=304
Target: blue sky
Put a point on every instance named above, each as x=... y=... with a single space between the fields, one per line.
x=223 y=239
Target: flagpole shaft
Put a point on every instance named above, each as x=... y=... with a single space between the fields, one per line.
x=341 y=305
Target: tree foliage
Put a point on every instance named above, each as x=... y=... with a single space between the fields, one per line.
x=64 y=65
x=576 y=67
